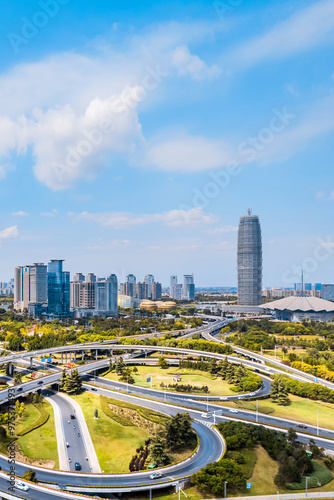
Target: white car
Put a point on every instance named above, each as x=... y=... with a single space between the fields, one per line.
x=205 y=415
x=223 y=398
x=21 y=486
x=233 y=410
x=155 y=475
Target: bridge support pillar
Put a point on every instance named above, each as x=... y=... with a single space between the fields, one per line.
x=75 y=355
x=83 y=355
x=10 y=369
x=201 y=358
x=66 y=357
x=111 y=352
x=182 y=357
x=96 y=354
x=31 y=362
x=62 y=358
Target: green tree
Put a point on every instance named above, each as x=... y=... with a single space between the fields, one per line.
x=30 y=475
x=120 y=365
x=213 y=476
x=158 y=453
x=17 y=378
x=63 y=381
x=162 y=362
x=223 y=368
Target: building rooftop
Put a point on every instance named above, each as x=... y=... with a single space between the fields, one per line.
x=300 y=303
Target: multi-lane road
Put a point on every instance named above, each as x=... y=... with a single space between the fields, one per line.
x=211 y=444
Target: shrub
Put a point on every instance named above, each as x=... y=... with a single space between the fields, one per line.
x=42 y=419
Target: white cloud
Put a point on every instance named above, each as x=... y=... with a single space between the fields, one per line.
x=20 y=214
x=321 y=195
x=223 y=229
x=184 y=248
x=222 y=246
x=189 y=154
x=290 y=88
x=308 y=28
x=300 y=133
x=9 y=233
x=51 y=106
x=53 y=213
x=188 y=64
x=173 y=218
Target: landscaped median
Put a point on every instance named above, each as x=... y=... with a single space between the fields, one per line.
x=123 y=431
x=35 y=436
x=300 y=410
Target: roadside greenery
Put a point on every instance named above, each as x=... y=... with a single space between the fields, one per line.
x=242 y=379
x=291 y=456
x=176 y=434
x=70 y=382
x=279 y=390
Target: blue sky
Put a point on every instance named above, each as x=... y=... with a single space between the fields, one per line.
x=135 y=134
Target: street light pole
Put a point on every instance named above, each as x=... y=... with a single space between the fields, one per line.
x=317 y=422
x=225 y=484
x=207 y=401
x=257 y=410
x=306 y=481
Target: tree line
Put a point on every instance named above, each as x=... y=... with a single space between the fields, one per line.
x=291 y=456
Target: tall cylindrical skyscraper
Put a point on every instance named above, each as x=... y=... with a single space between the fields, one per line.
x=249 y=261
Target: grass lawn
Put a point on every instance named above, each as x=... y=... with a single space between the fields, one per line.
x=114 y=444
x=262 y=479
x=40 y=444
x=300 y=410
x=31 y=414
x=217 y=387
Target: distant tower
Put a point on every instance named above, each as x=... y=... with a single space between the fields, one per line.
x=249 y=261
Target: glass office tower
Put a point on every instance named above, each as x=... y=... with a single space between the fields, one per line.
x=249 y=261
x=58 y=289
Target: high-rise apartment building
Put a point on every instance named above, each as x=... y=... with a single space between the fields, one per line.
x=188 y=287
x=327 y=291
x=173 y=282
x=129 y=287
x=30 y=286
x=148 y=280
x=106 y=296
x=141 y=291
x=178 y=291
x=58 y=289
x=156 y=290
x=249 y=261
x=78 y=277
x=83 y=291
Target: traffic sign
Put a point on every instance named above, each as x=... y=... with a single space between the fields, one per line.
x=315 y=379
x=249 y=486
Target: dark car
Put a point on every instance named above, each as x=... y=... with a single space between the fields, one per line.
x=72 y=416
x=19 y=389
x=302 y=426
x=40 y=382
x=77 y=466
x=93 y=389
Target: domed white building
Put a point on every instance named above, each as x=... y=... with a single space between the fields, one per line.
x=299 y=307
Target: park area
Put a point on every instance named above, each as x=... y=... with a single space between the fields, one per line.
x=173 y=375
